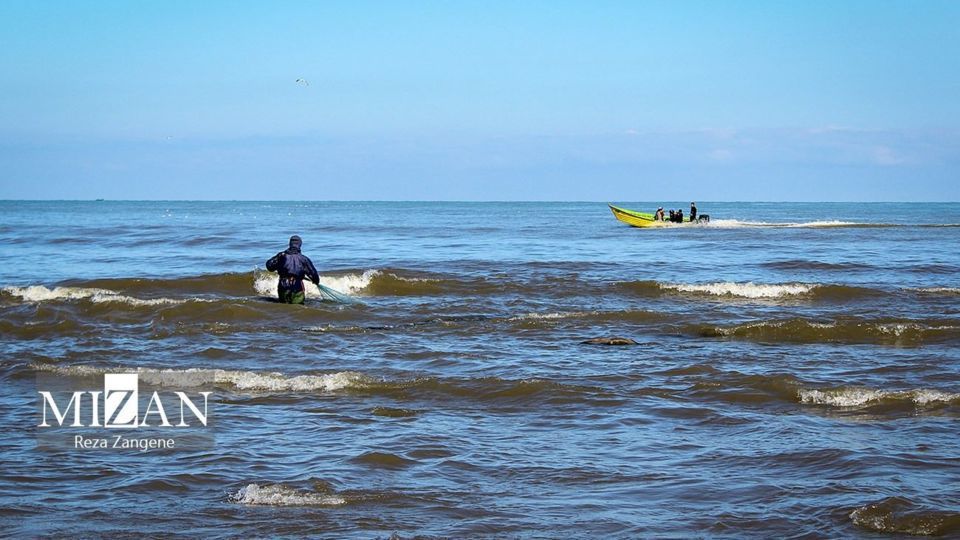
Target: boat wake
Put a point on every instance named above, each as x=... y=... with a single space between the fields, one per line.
x=819 y=224
x=738 y=224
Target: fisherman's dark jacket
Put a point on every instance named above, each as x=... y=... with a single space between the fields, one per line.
x=293 y=267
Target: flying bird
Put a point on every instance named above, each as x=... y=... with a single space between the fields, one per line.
x=303 y=82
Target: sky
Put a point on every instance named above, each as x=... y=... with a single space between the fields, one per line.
x=553 y=100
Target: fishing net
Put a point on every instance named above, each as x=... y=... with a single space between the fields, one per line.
x=330 y=295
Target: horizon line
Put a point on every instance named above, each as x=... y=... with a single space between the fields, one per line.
x=486 y=201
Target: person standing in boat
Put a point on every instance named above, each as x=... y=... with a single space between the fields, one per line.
x=293 y=267
x=693 y=212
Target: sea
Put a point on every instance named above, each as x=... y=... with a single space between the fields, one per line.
x=502 y=370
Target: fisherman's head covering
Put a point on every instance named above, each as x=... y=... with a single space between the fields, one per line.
x=295 y=243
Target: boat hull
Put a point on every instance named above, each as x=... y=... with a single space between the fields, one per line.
x=636 y=219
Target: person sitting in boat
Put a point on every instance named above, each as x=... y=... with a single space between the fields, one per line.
x=293 y=267
x=658 y=215
x=693 y=212
x=673 y=216
x=680 y=215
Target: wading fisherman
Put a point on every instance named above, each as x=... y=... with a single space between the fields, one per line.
x=293 y=267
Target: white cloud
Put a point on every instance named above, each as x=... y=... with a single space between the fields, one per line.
x=720 y=154
x=883 y=155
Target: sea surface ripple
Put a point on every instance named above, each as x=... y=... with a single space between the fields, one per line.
x=795 y=370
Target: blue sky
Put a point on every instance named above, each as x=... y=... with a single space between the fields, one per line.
x=481 y=100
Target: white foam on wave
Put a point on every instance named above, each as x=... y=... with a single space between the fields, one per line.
x=240 y=380
x=743 y=290
x=549 y=316
x=278 y=382
x=265 y=283
x=766 y=324
x=859 y=397
x=349 y=283
x=897 y=329
x=415 y=279
x=721 y=331
x=876 y=518
x=939 y=290
x=280 y=495
x=39 y=293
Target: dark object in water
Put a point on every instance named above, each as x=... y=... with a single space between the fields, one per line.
x=609 y=341
x=293 y=267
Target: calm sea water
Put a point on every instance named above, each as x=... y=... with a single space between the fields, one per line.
x=796 y=371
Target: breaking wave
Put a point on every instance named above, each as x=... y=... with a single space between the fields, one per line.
x=733 y=386
x=552 y=316
x=743 y=290
x=861 y=397
x=484 y=388
x=39 y=293
x=159 y=292
x=281 y=495
x=898 y=515
x=742 y=388
x=754 y=291
x=145 y=292
x=373 y=282
x=235 y=379
x=896 y=332
x=939 y=291
x=265 y=283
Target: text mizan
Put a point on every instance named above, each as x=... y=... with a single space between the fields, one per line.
x=120 y=405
